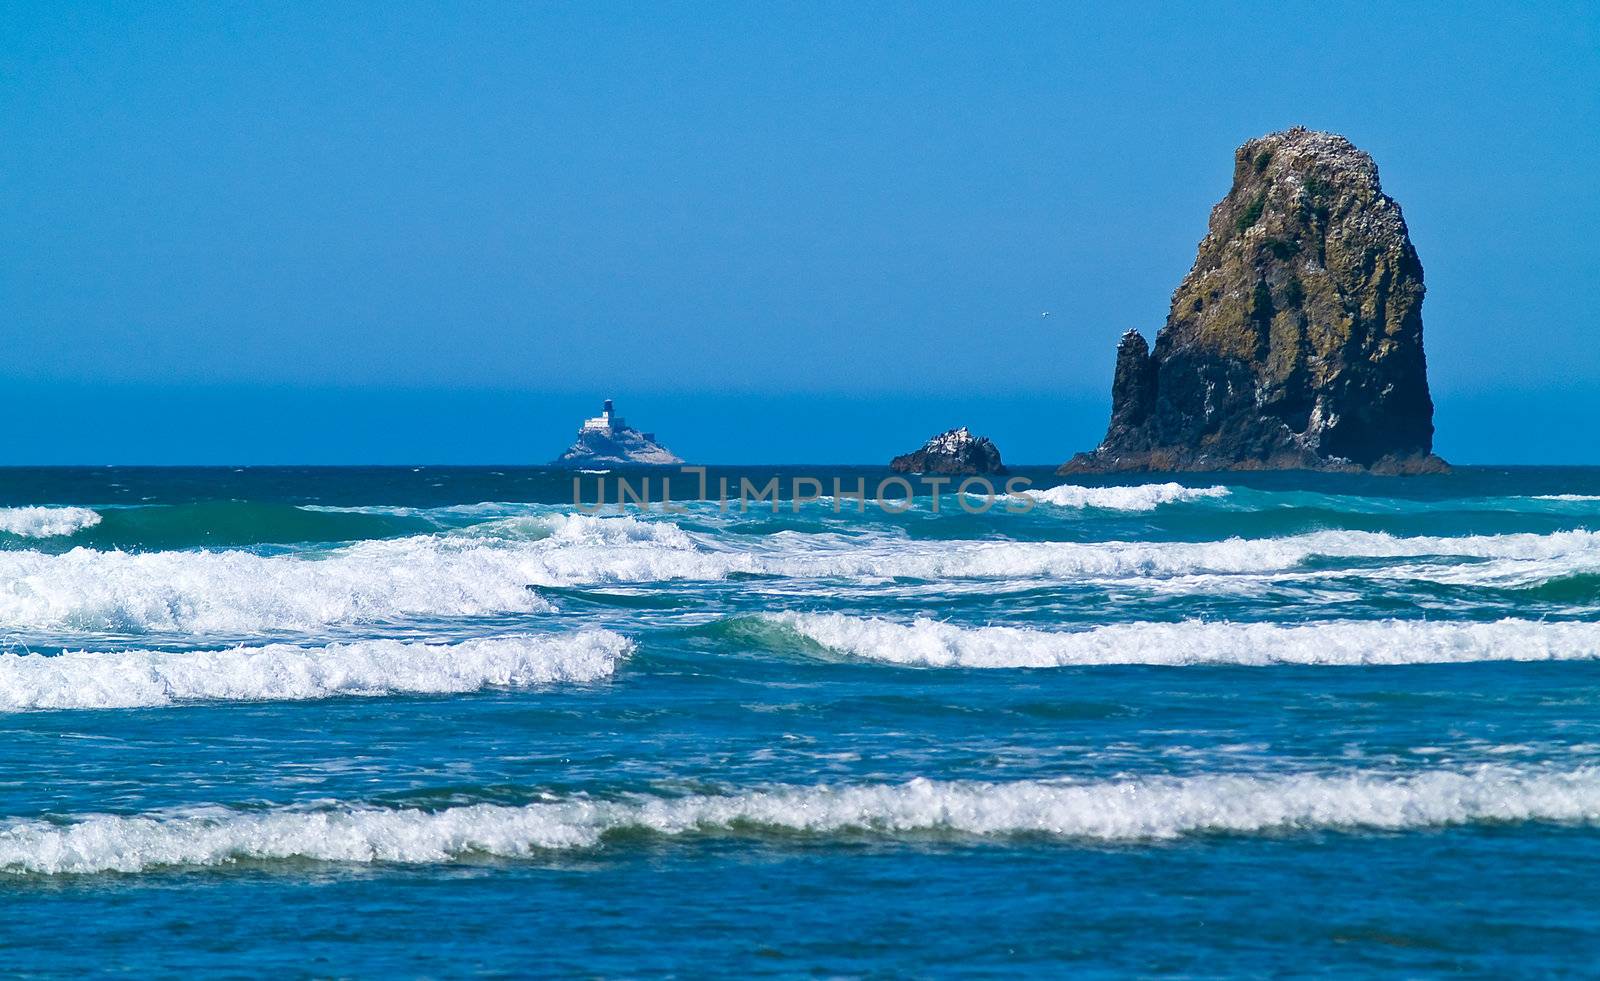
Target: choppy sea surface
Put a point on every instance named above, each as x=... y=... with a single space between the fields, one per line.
x=439 y=721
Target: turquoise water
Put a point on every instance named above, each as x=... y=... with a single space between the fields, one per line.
x=435 y=721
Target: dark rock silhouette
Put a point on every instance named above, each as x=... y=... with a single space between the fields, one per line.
x=1295 y=342
x=955 y=451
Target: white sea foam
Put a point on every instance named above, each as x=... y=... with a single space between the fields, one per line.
x=1153 y=808
x=1153 y=561
x=281 y=672
x=46 y=522
x=487 y=569
x=1508 y=573
x=932 y=643
x=1139 y=497
x=484 y=570
x=1566 y=497
x=239 y=592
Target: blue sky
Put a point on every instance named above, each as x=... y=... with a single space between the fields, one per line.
x=417 y=232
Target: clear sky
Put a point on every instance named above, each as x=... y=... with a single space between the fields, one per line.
x=417 y=232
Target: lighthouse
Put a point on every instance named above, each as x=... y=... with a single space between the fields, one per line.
x=605 y=441
x=606 y=422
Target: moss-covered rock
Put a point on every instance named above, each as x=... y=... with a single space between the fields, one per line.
x=1296 y=339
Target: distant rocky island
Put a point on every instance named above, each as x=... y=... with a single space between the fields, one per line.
x=1295 y=342
x=955 y=451
x=608 y=441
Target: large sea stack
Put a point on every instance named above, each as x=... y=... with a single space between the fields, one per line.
x=1295 y=342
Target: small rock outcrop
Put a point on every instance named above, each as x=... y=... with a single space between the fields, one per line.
x=956 y=451
x=608 y=441
x=1295 y=342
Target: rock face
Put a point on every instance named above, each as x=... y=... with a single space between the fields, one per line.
x=1295 y=342
x=608 y=441
x=629 y=448
x=956 y=451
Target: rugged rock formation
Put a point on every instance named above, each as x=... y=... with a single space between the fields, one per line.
x=1295 y=341
x=628 y=448
x=956 y=451
x=608 y=441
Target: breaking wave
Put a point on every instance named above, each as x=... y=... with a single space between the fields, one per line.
x=282 y=672
x=46 y=522
x=1139 y=497
x=1146 y=809
x=931 y=643
x=487 y=570
x=489 y=567
x=241 y=592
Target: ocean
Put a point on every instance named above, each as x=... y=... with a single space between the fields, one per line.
x=442 y=721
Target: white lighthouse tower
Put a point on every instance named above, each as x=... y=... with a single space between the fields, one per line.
x=605 y=440
x=606 y=422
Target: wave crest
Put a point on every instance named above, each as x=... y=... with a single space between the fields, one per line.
x=488 y=570
x=1152 y=808
x=46 y=522
x=930 y=643
x=1138 y=497
x=283 y=672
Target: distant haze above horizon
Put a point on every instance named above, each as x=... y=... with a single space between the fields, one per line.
x=823 y=232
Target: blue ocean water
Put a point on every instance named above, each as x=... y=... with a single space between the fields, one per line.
x=439 y=721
